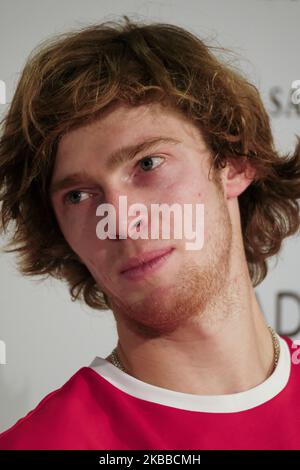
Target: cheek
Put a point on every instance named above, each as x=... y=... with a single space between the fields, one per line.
x=92 y=252
x=198 y=195
x=79 y=232
x=195 y=194
x=187 y=189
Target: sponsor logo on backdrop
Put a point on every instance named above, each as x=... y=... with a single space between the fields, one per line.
x=295 y=92
x=287 y=306
x=284 y=103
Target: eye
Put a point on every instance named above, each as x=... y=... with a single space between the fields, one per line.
x=68 y=197
x=145 y=162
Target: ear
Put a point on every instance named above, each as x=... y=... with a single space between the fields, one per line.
x=237 y=176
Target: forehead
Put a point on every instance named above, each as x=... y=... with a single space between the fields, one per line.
x=123 y=124
x=108 y=143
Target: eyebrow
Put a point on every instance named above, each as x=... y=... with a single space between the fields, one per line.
x=115 y=159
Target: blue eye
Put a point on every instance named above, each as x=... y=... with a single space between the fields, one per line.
x=67 y=197
x=148 y=167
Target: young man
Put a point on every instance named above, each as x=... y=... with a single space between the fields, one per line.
x=148 y=112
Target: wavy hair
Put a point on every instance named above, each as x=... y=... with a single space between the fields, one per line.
x=71 y=78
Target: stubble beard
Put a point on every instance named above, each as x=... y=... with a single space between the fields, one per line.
x=191 y=295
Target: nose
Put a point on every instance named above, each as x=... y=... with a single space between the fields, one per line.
x=129 y=215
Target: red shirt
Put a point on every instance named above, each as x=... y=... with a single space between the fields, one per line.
x=102 y=407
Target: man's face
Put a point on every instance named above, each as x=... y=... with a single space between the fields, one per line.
x=172 y=173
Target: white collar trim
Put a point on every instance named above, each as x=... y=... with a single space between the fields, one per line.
x=228 y=403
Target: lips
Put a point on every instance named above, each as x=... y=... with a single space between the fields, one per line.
x=144 y=258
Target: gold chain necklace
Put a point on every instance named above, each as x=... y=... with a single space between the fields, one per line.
x=116 y=360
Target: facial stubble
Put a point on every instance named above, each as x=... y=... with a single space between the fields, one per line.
x=191 y=294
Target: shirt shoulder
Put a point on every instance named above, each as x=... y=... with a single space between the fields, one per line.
x=43 y=426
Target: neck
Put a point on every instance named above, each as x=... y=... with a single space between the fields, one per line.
x=227 y=349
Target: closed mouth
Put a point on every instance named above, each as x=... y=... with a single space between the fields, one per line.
x=141 y=270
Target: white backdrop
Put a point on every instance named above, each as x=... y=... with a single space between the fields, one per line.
x=47 y=336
